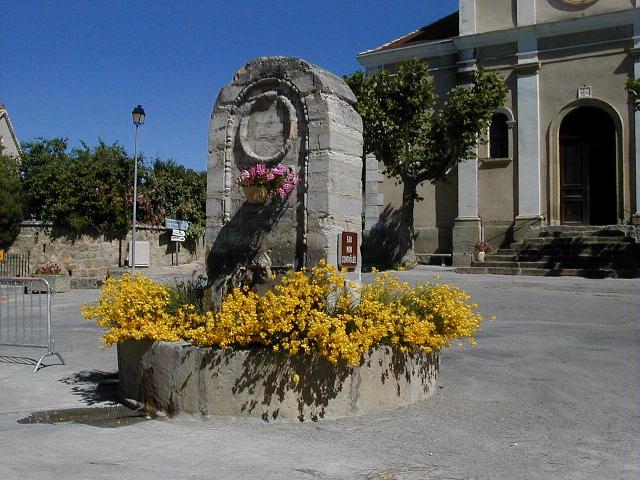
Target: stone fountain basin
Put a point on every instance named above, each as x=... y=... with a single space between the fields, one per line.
x=179 y=378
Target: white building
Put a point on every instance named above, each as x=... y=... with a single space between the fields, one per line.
x=9 y=144
x=564 y=149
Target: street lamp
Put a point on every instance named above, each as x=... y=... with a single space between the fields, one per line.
x=138 y=119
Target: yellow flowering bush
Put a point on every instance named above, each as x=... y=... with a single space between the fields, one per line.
x=317 y=311
x=133 y=307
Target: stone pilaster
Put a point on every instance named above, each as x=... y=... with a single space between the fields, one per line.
x=467 y=22
x=373 y=198
x=526 y=12
x=467 y=225
x=529 y=167
x=635 y=219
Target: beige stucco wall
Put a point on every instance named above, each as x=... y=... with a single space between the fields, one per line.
x=497 y=180
x=553 y=10
x=495 y=15
x=606 y=69
x=433 y=216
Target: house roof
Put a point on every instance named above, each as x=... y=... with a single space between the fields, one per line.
x=4 y=114
x=446 y=27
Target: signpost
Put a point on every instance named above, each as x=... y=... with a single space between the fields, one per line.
x=173 y=224
x=178 y=232
x=348 y=250
x=178 y=235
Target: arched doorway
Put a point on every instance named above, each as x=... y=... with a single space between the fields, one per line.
x=587 y=141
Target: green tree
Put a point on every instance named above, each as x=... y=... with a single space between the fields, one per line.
x=418 y=136
x=90 y=189
x=102 y=196
x=175 y=191
x=47 y=178
x=633 y=87
x=10 y=200
x=83 y=191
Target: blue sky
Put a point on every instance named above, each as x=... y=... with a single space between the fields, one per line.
x=76 y=69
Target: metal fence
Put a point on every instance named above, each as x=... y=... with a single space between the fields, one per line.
x=25 y=315
x=14 y=265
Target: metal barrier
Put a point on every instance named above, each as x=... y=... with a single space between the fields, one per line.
x=25 y=315
x=14 y=265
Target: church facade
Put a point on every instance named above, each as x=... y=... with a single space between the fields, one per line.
x=563 y=150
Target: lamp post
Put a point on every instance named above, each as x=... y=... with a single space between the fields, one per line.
x=138 y=119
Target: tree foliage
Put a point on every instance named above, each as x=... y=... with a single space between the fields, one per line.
x=10 y=200
x=90 y=189
x=177 y=192
x=417 y=135
x=633 y=87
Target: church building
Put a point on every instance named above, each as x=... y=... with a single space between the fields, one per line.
x=563 y=150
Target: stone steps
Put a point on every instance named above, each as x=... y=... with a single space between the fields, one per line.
x=555 y=272
x=570 y=241
x=620 y=257
x=596 y=252
x=582 y=231
x=562 y=263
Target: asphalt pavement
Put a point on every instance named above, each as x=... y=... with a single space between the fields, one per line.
x=551 y=391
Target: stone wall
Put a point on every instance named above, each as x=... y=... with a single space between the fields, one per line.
x=282 y=110
x=95 y=256
x=179 y=378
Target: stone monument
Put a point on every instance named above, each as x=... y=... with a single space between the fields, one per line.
x=282 y=110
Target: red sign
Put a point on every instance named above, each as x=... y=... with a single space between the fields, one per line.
x=348 y=254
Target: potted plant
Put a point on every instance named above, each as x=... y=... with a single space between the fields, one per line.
x=261 y=182
x=57 y=278
x=482 y=248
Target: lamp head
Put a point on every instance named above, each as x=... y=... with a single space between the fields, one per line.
x=138 y=116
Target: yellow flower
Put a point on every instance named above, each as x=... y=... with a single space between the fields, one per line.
x=306 y=312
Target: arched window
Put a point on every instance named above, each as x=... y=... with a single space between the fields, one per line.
x=499 y=136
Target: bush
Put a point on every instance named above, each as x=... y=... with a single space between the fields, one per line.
x=305 y=313
x=187 y=292
x=90 y=189
x=10 y=201
x=49 y=268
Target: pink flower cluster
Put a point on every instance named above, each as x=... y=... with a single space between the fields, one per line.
x=48 y=268
x=278 y=180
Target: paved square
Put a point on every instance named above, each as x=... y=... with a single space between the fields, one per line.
x=551 y=391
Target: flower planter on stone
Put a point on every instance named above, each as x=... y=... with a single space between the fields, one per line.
x=480 y=256
x=255 y=194
x=57 y=283
x=179 y=378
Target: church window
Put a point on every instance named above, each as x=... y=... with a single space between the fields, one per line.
x=499 y=136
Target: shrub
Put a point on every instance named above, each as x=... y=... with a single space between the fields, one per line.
x=133 y=307
x=482 y=246
x=10 y=200
x=48 y=268
x=187 y=292
x=319 y=312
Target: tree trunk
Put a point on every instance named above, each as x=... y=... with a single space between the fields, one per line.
x=406 y=254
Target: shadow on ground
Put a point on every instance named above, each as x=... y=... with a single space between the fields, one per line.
x=94 y=386
x=18 y=360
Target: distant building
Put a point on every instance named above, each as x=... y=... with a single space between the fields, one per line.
x=564 y=149
x=8 y=141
